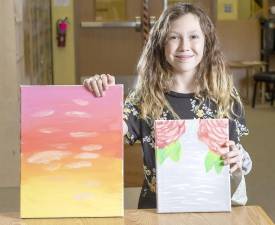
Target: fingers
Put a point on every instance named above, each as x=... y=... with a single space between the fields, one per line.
x=232 y=160
x=93 y=83
x=104 y=80
x=234 y=157
x=223 y=150
x=233 y=153
x=229 y=143
x=90 y=85
x=98 y=84
x=111 y=79
x=226 y=149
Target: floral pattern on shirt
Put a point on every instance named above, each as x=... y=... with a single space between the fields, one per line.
x=149 y=139
x=202 y=111
x=150 y=176
x=241 y=129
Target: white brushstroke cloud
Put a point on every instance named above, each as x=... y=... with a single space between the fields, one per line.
x=78 y=114
x=53 y=167
x=90 y=148
x=77 y=165
x=86 y=155
x=81 y=134
x=81 y=102
x=83 y=197
x=46 y=157
x=44 y=113
x=48 y=130
x=61 y=145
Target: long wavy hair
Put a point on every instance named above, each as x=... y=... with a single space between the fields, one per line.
x=211 y=79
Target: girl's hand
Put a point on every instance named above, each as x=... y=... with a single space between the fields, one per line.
x=98 y=84
x=234 y=157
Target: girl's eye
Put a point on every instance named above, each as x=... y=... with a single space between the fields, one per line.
x=194 y=36
x=173 y=38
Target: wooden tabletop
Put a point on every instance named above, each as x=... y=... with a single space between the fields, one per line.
x=247 y=215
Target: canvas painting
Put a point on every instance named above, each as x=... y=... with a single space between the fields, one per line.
x=71 y=152
x=191 y=176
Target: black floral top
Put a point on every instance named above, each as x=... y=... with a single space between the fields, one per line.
x=187 y=106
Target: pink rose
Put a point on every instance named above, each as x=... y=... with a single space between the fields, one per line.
x=214 y=133
x=168 y=131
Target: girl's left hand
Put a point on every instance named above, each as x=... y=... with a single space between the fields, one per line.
x=233 y=158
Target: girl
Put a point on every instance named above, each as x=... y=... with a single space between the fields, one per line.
x=181 y=75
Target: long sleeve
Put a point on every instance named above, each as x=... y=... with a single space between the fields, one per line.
x=238 y=184
x=247 y=162
x=238 y=188
x=131 y=117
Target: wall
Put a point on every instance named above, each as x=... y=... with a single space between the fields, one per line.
x=63 y=58
x=244 y=9
x=9 y=95
x=240 y=40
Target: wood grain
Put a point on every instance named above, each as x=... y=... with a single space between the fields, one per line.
x=246 y=215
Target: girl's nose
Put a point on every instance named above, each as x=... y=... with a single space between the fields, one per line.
x=184 y=44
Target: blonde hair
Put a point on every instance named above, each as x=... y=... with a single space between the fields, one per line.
x=212 y=81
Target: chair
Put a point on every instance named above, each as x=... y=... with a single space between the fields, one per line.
x=269 y=79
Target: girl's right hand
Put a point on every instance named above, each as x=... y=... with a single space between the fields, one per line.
x=98 y=84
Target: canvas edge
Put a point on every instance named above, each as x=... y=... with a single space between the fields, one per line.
x=229 y=178
x=157 y=183
x=64 y=85
x=20 y=161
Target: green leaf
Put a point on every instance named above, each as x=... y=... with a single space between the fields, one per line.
x=174 y=151
x=211 y=160
x=219 y=166
x=161 y=155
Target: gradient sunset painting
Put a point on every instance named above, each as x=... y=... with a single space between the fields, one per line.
x=71 y=152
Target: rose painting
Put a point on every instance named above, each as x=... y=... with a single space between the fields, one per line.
x=214 y=133
x=191 y=176
x=167 y=140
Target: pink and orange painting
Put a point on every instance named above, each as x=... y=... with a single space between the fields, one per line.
x=71 y=152
x=191 y=176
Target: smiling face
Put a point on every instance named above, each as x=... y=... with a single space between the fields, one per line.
x=184 y=44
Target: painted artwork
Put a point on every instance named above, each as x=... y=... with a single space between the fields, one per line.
x=191 y=176
x=71 y=152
